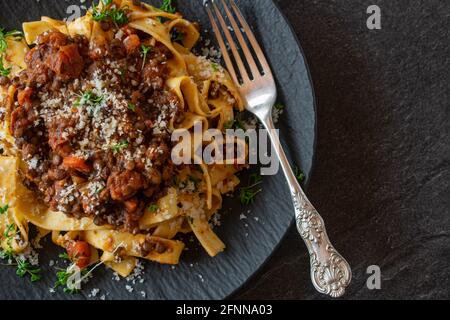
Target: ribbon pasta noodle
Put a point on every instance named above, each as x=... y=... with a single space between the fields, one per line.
x=72 y=162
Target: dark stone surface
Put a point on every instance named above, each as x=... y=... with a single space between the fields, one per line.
x=382 y=172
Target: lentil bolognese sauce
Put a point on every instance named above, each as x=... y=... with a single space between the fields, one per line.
x=87 y=113
x=92 y=125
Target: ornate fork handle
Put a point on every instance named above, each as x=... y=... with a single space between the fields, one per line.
x=330 y=272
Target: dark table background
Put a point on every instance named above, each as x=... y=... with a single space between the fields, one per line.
x=382 y=170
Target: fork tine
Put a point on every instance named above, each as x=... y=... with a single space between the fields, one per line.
x=236 y=55
x=222 y=45
x=248 y=55
x=259 y=53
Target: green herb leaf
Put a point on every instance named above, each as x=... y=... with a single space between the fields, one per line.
x=247 y=194
x=35 y=277
x=15 y=34
x=299 y=174
x=64 y=256
x=98 y=15
x=145 y=51
x=119 y=146
x=117 y=16
x=177 y=36
x=215 y=67
x=88 y=98
x=8 y=236
x=6 y=255
x=8 y=230
x=236 y=124
x=24 y=268
x=63 y=276
x=255 y=178
x=168 y=6
x=61 y=280
x=153 y=208
x=132 y=107
x=279 y=106
x=3 y=70
x=4 y=209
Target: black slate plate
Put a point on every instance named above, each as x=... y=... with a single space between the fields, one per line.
x=250 y=242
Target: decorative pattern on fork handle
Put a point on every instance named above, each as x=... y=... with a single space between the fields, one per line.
x=330 y=272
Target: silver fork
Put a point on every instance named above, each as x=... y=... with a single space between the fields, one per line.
x=330 y=272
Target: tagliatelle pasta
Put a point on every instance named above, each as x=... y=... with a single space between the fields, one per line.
x=87 y=108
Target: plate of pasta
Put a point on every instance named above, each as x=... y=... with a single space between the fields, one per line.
x=93 y=202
